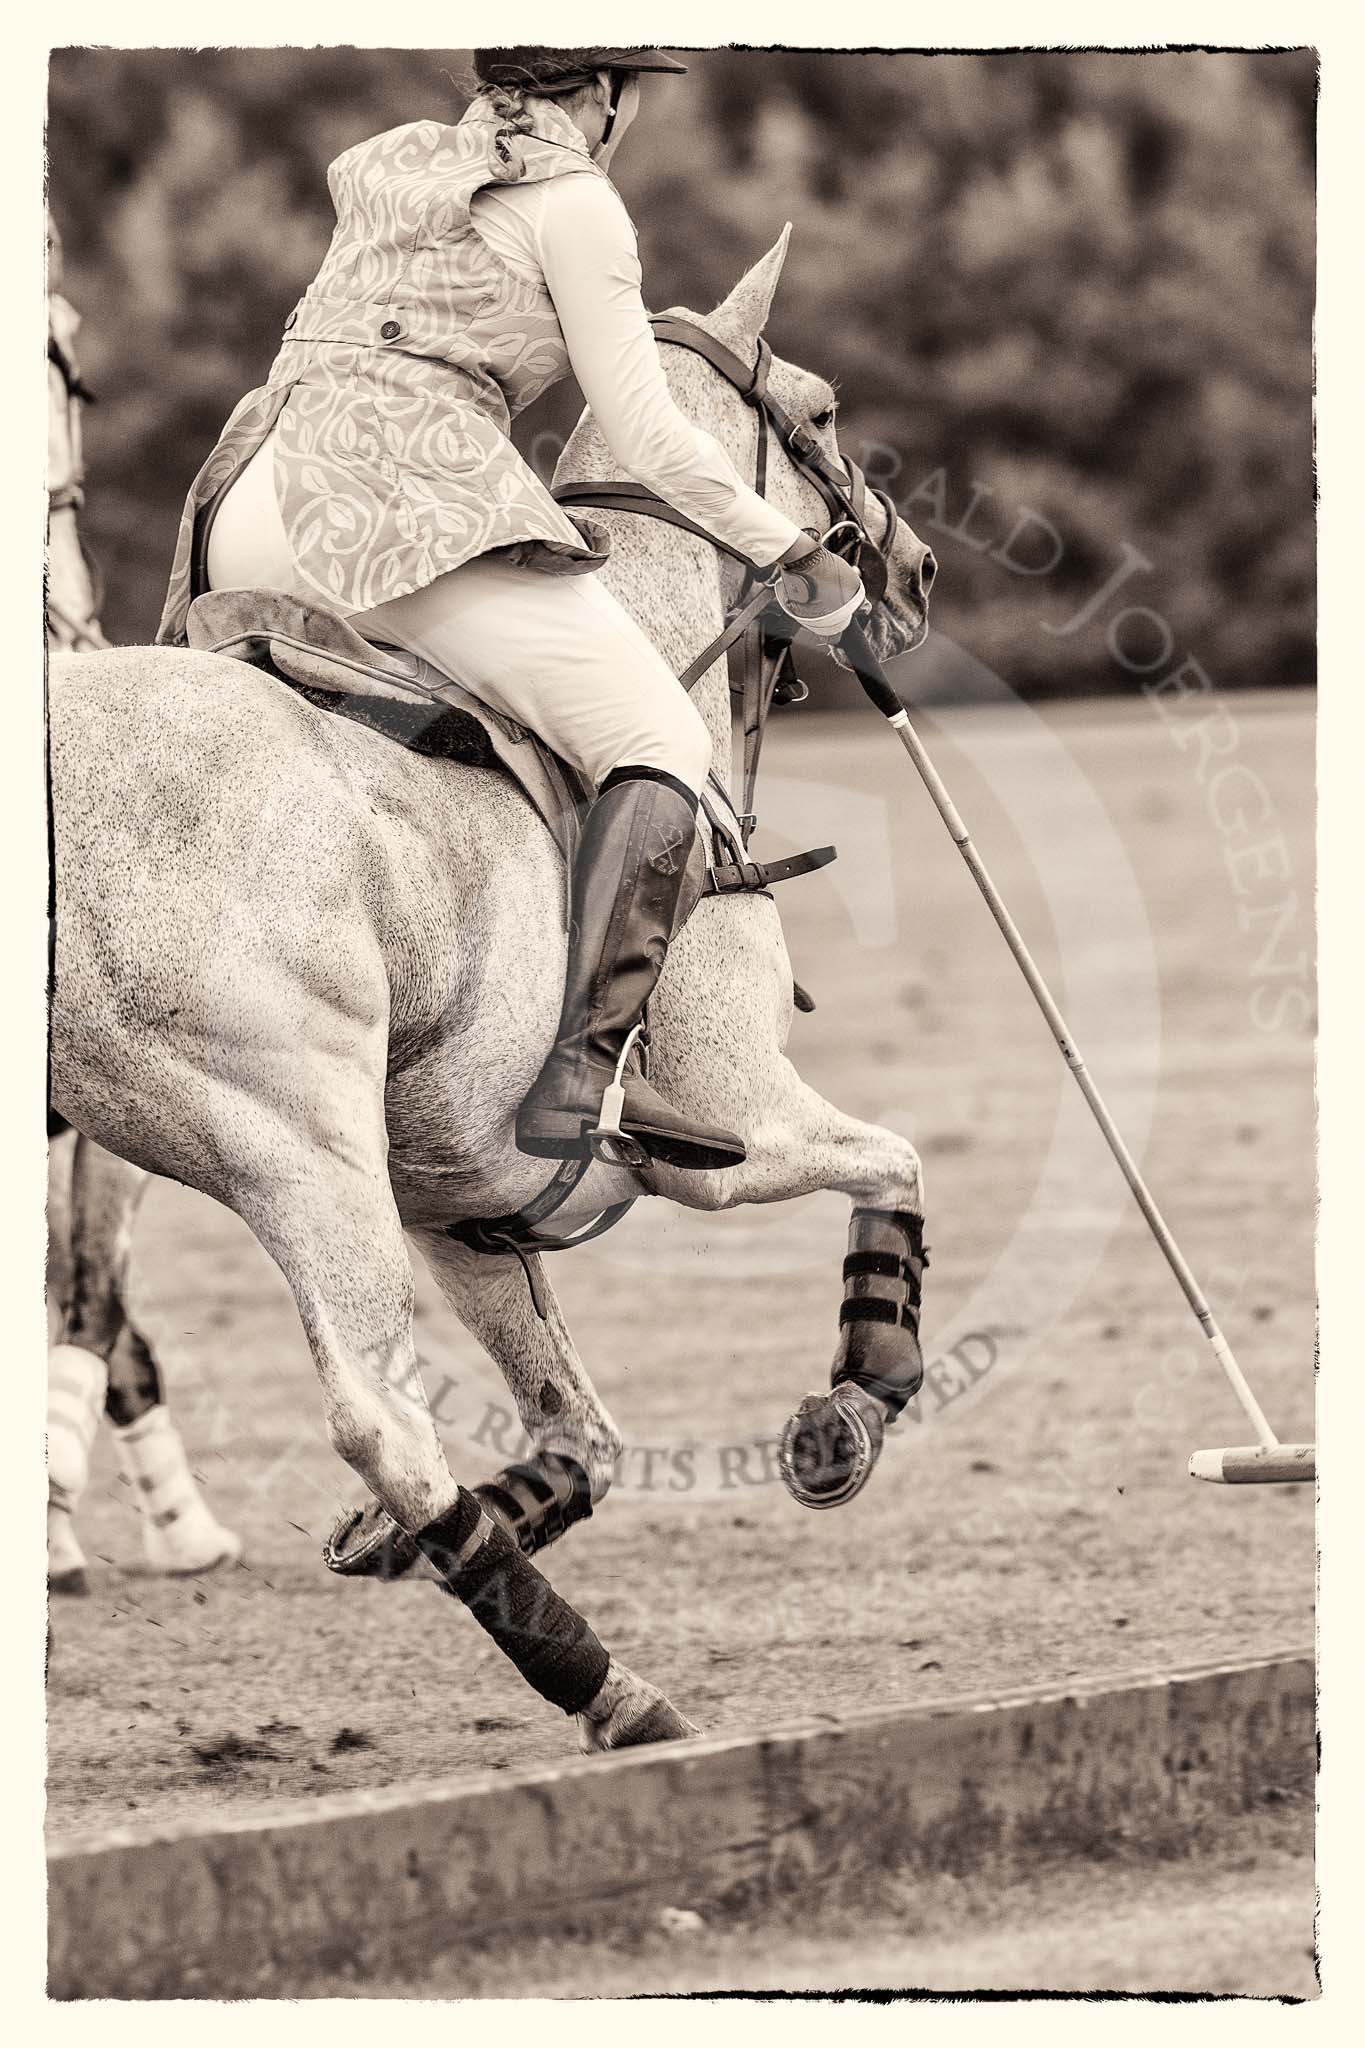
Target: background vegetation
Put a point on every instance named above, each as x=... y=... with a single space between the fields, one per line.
x=1081 y=283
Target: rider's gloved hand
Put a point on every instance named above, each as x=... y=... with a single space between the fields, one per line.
x=817 y=589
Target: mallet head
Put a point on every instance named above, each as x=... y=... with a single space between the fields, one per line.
x=1256 y=1464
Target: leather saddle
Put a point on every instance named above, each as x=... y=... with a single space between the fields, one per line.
x=314 y=652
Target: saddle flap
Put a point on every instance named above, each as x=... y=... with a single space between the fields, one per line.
x=305 y=642
x=316 y=650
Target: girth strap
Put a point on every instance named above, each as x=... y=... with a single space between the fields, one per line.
x=520 y=1234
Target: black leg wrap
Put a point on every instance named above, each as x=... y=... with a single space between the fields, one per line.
x=535 y=1502
x=550 y=1643
x=879 y=1320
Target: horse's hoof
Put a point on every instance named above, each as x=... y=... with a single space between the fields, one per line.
x=637 y=1713
x=71 y=1584
x=830 y=1446
x=367 y=1543
x=197 y=1546
x=194 y=1568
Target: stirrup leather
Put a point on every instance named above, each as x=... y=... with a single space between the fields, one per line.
x=607 y=1141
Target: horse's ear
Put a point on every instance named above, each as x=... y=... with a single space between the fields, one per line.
x=740 y=319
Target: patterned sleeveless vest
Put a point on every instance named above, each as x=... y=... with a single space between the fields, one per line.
x=401 y=370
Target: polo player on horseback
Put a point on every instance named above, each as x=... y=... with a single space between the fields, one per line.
x=72 y=607
x=472 y=267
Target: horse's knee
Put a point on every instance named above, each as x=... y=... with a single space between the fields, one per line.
x=357 y=1440
x=887 y=1174
x=392 y=1445
x=912 y=1178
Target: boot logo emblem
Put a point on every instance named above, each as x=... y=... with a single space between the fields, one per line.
x=666 y=861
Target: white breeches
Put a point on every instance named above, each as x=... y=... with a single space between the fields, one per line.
x=556 y=653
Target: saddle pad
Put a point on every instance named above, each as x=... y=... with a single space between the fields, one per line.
x=314 y=652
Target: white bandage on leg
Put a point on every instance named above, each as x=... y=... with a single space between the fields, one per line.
x=558 y=654
x=180 y=1533
x=76 y=1383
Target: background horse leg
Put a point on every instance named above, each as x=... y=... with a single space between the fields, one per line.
x=102 y=1361
x=798 y=1145
x=76 y=1381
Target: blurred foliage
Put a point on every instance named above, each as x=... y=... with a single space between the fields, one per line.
x=1082 y=283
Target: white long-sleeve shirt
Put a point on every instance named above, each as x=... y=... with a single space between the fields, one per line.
x=574 y=234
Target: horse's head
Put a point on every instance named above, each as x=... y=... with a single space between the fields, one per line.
x=900 y=621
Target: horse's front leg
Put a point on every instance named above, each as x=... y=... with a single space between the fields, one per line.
x=799 y=1144
x=575 y=1442
x=325 y=1213
x=573 y=1460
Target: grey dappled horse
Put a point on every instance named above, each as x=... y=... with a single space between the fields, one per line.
x=312 y=975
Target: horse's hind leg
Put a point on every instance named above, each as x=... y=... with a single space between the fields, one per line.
x=803 y=1144
x=103 y=1362
x=327 y=1217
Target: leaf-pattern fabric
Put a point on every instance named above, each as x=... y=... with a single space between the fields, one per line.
x=400 y=372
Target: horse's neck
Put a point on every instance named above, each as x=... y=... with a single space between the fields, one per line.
x=675 y=586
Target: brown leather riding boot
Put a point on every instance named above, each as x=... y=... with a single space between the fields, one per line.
x=626 y=883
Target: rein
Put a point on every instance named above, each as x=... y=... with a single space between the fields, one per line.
x=83 y=635
x=759 y=662
x=759 y=657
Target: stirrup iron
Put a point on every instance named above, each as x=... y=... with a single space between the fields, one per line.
x=607 y=1141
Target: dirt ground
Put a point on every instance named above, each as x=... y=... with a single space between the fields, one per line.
x=1035 y=1523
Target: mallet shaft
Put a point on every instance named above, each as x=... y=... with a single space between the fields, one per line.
x=879 y=688
x=1128 y=1166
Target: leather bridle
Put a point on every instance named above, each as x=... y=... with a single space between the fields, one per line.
x=756 y=637
x=845 y=491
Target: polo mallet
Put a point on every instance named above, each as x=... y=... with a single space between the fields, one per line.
x=1267 y=1459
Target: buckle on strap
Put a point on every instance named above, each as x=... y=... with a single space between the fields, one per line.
x=737 y=878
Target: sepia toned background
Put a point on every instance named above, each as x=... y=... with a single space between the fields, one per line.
x=1069 y=300
x=1073 y=292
